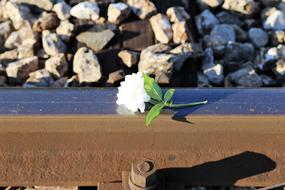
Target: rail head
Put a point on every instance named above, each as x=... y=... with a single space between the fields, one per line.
x=103 y=101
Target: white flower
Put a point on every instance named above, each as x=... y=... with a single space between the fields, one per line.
x=132 y=93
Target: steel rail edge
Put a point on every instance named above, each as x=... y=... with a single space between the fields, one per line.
x=81 y=137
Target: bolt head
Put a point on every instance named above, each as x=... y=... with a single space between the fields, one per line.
x=143 y=173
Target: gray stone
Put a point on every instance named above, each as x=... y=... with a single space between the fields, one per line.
x=270 y=3
x=239 y=51
x=19 y=71
x=142 y=8
x=226 y=17
x=59 y=83
x=64 y=30
x=206 y=21
x=52 y=44
x=47 y=21
x=57 y=65
x=247 y=7
x=62 y=10
x=86 y=10
x=215 y=73
x=181 y=33
x=258 y=37
x=161 y=28
x=268 y=81
x=96 y=40
x=203 y=81
x=129 y=58
x=222 y=34
x=177 y=14
x=241 y=35
x=211 y=3
x=117 y=12
x=39 y=78
x=86 y=66
x=246 y=77
x=208 y=58
x=275 y=20
x=219 y=37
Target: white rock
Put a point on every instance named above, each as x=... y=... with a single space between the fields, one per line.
x=181 y=32
x=18 y=14
x=57 y=65
x=117 y=12
x=86 y=65
x=271 y=55
x=8 y=56
x=142 y=8
x=279 y=69
x=155 y=60
x=275 y=21
x=161 y=28
x=212 y=3
x=20 y=70
x=39 y=78
x=52 y=44
x=24 y=39
x=177 y=14
x=129 y=58
x=246 y=7
x=65 y=29
x=86 y=10
x=62 y=10
x=5 y=29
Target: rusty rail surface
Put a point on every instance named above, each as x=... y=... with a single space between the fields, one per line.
x=80 y=137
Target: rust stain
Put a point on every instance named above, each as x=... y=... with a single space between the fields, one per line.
x=84 y=150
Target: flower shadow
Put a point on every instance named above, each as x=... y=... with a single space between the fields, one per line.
x=215 y=98
x=224 y=172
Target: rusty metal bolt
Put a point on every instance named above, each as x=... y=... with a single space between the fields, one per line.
x=143 y=175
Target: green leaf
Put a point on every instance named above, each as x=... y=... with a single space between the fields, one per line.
x=153 y=113
x=152 y=88
x=168 y=95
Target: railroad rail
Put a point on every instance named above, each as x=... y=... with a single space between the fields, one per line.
x=81 y=137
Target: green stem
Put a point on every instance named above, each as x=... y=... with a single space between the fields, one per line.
x=186 y=105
